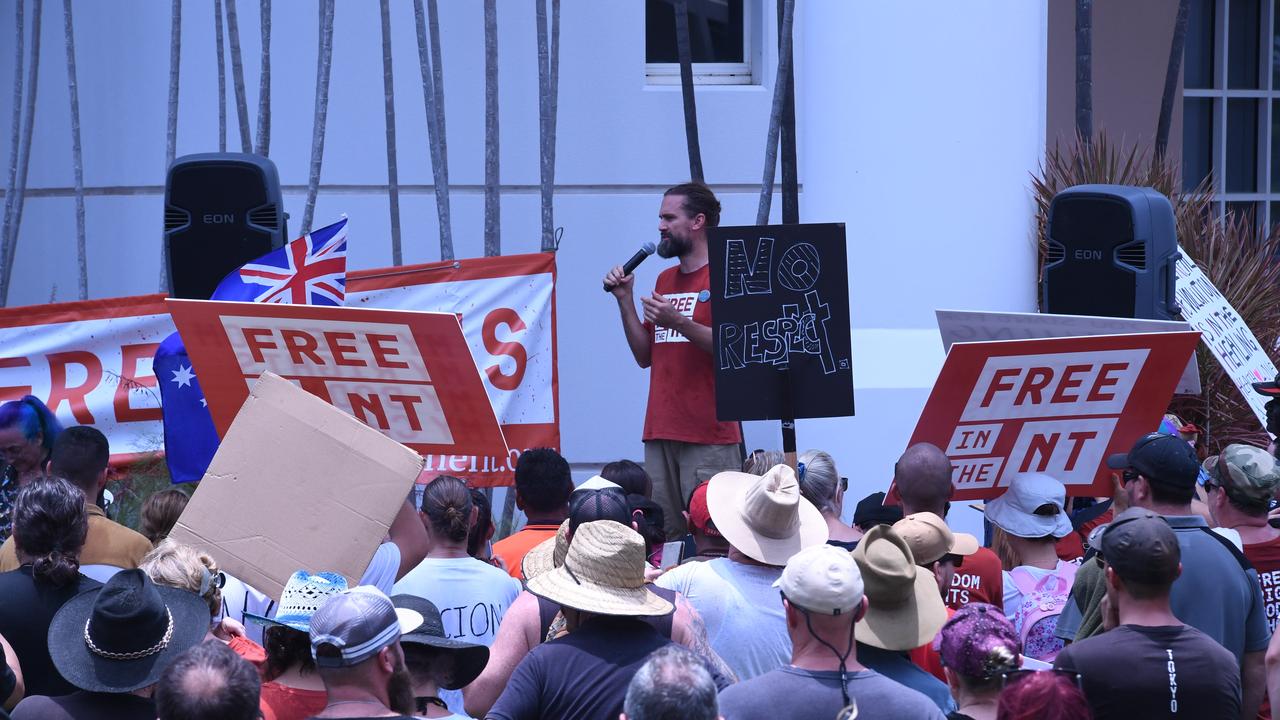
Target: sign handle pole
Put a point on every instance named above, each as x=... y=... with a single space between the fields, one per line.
x=788 y=421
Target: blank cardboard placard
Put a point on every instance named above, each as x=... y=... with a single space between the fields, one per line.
x=297 y=484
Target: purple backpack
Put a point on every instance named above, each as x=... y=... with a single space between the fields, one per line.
x=1042 y=601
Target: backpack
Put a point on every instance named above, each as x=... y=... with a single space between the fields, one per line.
x=1043 y=601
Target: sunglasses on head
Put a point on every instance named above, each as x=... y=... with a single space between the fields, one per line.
x=1014 y=677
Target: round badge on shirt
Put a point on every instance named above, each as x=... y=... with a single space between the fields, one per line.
x=704 y=296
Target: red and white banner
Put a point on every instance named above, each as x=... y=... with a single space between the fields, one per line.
x=1058 y=406
x=91 y=361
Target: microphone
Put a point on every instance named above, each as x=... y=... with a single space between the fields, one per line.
x=645 y=251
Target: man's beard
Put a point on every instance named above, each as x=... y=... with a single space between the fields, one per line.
x=400 y=690
x=673 y=246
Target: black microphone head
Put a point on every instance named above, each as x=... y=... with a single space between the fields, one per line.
x=648 y=248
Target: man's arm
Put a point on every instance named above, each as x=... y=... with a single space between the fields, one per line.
x=1273 y=674
x=510 y=646
x=1253 y=683
x=659 y=311
x=638 y=338
x=410 y=536
x=688 y=630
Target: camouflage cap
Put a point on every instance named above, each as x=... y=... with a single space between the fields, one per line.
x=1245 y=470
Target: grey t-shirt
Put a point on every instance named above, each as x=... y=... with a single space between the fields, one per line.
x=1213 y=594
x=742 y=611
x=790 y=693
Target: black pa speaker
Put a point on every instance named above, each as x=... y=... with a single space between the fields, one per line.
x=221 y=210
x=1112 y=253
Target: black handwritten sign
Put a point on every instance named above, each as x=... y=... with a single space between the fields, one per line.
x=780 y=322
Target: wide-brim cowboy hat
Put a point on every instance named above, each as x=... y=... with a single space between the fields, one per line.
x=904 y=606
x=301 y=597
x=86 y=621
x=765 y=517
x=469 y=659
x=602 y=573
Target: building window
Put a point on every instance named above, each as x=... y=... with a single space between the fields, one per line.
x=1231 y=105
x=720 y=42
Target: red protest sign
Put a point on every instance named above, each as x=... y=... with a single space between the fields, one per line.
x=409 y=374
x=1056 y=406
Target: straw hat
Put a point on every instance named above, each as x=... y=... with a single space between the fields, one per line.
x=602 y=573
x=546 y=555
x=904 y=607
x=765 y=517
x=301 y=598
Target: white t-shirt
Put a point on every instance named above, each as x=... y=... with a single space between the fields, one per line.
x=383 y=567
x=239 y=598
x=471 y=595
x=742 y=611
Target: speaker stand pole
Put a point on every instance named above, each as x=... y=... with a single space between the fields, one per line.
x=788 y=421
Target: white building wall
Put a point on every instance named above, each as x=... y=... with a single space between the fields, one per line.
x=919 y=124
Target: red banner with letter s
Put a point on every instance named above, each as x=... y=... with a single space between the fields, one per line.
x=91 y=361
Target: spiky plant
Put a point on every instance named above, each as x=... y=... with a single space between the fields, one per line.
x=1237 y=255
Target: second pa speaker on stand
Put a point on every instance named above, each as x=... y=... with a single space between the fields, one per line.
x=1112 y=252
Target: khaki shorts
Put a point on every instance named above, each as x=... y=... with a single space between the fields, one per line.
x=677 y=468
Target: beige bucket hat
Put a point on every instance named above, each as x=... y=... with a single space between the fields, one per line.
x=764 y=516
x=602 y=573
x=546 y=555
x=904 y=608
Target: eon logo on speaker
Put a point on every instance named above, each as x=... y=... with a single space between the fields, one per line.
x=1087 y=254
x=218 y=218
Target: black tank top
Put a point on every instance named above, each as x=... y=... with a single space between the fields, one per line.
x=547 y=611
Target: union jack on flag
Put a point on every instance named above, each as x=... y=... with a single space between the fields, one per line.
x=311 y=270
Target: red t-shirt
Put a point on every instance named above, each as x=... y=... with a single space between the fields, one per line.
x=682 y=380
x=978 y=579
x=1265 y=558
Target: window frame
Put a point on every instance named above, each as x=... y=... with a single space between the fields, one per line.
x=740 y=73
x=1268 y=96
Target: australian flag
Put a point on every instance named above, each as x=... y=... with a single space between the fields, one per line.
x=311 y=270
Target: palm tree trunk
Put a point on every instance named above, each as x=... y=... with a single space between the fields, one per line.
x=1171 y=78
x=389 y=102
x=790 y=177
x=12 y=182
x=324 y=63
x=442 y=146
x=263 y=142
x=548 y=86
x=685 y=54
x=1084 y=70
x=171 y=124
x=780 y=85
x=77 y=158
x=237 y=77
x=222 y=76
x=492 y=197
x=433 y=97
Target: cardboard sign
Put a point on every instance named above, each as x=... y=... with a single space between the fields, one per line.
x=780 y=322
x=296 y=485
x=1058 y=406
x=967 y=326
x=1224 y=333
x=408 y=374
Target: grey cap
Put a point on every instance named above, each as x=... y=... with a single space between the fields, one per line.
x=1141 y=547
x=357 y=623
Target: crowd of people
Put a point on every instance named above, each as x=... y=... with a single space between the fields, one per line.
x=699 y=585
x=758 y=602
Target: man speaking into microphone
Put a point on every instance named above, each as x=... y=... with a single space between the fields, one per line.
x=684 y=444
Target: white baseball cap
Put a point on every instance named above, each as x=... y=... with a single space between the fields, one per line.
x=822 y=579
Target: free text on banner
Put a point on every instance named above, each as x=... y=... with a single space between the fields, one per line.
x=405 y=373
x=1058 y=406
x=1224 y=333
x=90 y=361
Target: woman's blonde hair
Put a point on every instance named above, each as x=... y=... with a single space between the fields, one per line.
x=175 y=565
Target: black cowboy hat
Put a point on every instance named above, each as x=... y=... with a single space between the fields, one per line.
x=469 y=658
x=120 y=637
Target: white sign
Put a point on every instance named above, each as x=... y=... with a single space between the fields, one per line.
x=968 y=326
x=1224 y=332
